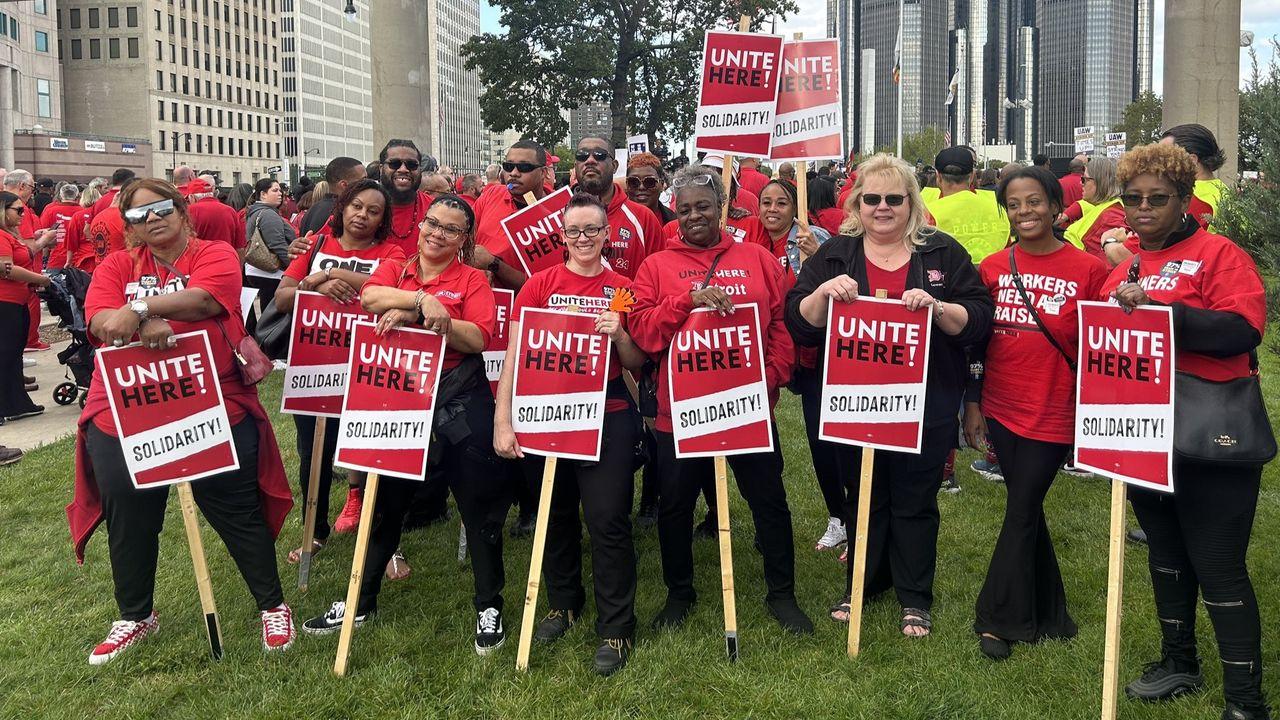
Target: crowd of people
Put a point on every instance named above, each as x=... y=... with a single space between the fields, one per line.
x=419 y=247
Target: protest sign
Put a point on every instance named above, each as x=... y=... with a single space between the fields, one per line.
x=319 y=350
x=873 y=386
x=637 y=144
x=534 y=231
x=716 y=382
x=495 y=353
x=561 y=374
x=168 y=411
x=738 y=93
x=1084 y=137
x=807 y=125
x=390 y=401
x=1124 y=394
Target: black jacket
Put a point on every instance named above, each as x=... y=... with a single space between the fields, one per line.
x=943 y=269
x=318 y=216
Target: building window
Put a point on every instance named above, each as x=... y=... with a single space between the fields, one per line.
x=131 y=16
x=44 y=99
x=113 y=17
x=133 y=47
x=75 y=19
x=159 y=51
x=94 y=20
x=95 y=49
x=158 y=24
x=42 y=41
x=159 y=80
x=162 y=134
x=160 y=110
x=13 y=28
x=41 y=7
x=77 y=51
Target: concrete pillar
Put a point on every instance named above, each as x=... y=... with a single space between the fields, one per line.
x=1202 y=71
x=7 y=113
x=403 y=106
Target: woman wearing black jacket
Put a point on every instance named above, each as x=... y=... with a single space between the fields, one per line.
x=886 y=245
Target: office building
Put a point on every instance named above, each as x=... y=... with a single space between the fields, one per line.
x=30 y=75
x=843 y=23
x=462 y=132
x=589 y=119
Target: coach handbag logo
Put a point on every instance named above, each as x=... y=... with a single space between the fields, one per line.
x=1224 y=441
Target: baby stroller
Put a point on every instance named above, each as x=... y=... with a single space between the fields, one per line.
x=65 y=298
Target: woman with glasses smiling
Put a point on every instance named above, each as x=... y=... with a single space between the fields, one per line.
x=16 y=279
x=886 y=245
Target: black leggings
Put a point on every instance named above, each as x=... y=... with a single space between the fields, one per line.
x=15 y=320
x=1023 y=598
x=230 y=502
x=808 y=382
x=1198 y=538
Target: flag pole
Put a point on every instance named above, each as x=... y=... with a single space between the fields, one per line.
x=898 y=64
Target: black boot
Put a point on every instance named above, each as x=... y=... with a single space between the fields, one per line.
x=612 y=655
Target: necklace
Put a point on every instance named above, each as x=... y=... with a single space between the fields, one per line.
x=414 y=219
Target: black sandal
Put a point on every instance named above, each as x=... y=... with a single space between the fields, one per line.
x=915 y=617
x=840 y=607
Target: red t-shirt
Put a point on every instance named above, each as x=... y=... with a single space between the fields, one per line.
x=80 y=252
x=1028 y=386
x=134 y=275
x=633 y=229
x=830 y=219
x=13 y=291
x=893 y=282
x=1072 y=188
x=494 y=205
x=1111 y=218
x=1203 y=271
x=463 y=290
x=332 y=254
x=1201 y=211
x=560 y=288
x=404 y=223
x=107 y=200
x=58 y=214
x=212 y=220
x=753 y=180
x=106 y=235
x=744 y=229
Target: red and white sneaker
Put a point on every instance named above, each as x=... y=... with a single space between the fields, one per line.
x=349 y=519
x=124 y=634
x=277 y=628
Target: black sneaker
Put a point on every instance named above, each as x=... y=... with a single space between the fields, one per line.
x=994 y=647
x=331 y=621
x=706 y=530
x=489 y=631
x=523 y=526
x=1137 y=535
x=950 y=485
x=612 y=656
x=647 y=517
x=789 y=615
x=555 y=625
x=672 y=615
x=1165 y=680
x=1232 y=711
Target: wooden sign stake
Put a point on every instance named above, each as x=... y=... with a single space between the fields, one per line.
x=726 y=559
x=802 y=188
x=1115 y=603
x=313 y=499
x=203 y=584
x=535 y=564
x=357 y=574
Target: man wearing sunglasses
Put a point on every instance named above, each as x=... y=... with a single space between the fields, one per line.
x=633 y=226
x=402 y=165
x=523 y=171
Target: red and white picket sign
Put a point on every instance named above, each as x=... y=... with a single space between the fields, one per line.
x=561 y=375
x=495 y=353
x=807 y=125
x=319 y=349
x=1124 y=394
x=873 y=380
x=168 y=411
x=534 y=231
x=738 y=93
x=389 y=405
x=716 y=383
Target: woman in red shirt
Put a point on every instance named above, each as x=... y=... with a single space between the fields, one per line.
x=339 y=269
x=669 y=285
x=1027 y=410
x=438 y=290
x=605 y=488
x=1199 y=535
x=16 y=280
x=137 y=295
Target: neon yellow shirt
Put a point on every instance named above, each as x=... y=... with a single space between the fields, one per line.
x=1077 y=230
x=974 y=219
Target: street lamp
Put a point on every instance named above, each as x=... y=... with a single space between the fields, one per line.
x=176 y=135
x=350 y=10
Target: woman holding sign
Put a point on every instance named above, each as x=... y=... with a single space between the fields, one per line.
x=888 y=246
x=438 y=290
x=703 y=266
x=1027 y=406
x=169 y=282
x=1199 y=535
x=338 y=268
x=605 y=487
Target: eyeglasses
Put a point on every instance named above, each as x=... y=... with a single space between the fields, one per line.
x=449 y=232
x=524 y=167
x=599 y=155
x=648 y=183
x=397 y=163
x=1086 y=179
x=18 y=208
x=1135 y=200
x=688 y=180
x=873 y=200
x=591 y=231
x=138 y=215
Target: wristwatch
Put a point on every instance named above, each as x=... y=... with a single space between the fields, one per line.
x=140 y=307
x=493 y=266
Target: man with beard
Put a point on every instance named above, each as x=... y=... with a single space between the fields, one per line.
x=633 y=225
x=524 y=172
x=402 y=167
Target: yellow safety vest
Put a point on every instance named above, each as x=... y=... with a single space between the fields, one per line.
x=929 y=194
x=974 y=219
x=1077 y=230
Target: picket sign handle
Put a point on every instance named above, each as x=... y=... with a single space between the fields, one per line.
x=535 y=564
x=1115 y=603
x=203 y=583
x=726 y=172
x=726 y=559
x=313 y=500
x=530 y=199
x=802 y=186
x=357 y=574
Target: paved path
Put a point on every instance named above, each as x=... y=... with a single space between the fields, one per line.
x=57 y=421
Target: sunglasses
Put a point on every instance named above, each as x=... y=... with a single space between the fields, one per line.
x=18 y=208
x=1135 y=200
x=397 y=163
x=694 y=180
x=648 y=183
x=873 y=200
x=524 y=167
x=138 y=215
x=598 y=154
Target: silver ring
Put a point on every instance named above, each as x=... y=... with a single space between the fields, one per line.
x=118 y=342
x=171 y=341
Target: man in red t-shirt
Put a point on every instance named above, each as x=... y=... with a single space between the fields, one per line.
x=749 y=175
x=119 y=178
x=523 y=172
x=633 y=226
x=57 y=215
x=402 y=166
x=210 y=218
x=1073 y=182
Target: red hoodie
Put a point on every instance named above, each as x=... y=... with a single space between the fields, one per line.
x=634 y=230
x=746 y=229
x=663 y=291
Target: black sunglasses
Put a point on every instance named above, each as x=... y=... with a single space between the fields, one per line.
x=397 y=163
x=524 y=167
x=598 y=154
x=872 y=199
x=1135 y=200
x=648 y=183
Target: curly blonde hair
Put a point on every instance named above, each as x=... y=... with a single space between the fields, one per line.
x=886 y=165
x=1167 y=161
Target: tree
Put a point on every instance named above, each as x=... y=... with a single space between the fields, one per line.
x=1141 y=120
x=640 y=57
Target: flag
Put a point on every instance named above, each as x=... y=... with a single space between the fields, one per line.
x=952 y=88
x=897 y=55
x=946 y=138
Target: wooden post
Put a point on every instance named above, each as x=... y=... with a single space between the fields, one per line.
x=726 y=560
x=357 y=574
x=535 y=564
x=313 y=498
x=802 y=187
x=462 y=543
x=1115 y=603
x=203 y=584
x=726 y=172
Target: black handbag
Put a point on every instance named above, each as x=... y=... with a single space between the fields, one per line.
x=1224 y=423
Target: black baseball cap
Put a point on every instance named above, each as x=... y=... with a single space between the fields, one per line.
x=954 y=161
x=45 y=183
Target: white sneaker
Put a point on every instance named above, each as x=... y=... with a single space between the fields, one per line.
x=124 y=634
x=835 y=535
x=28 y=362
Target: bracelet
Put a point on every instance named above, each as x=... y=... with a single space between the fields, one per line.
x=417 y=302
x=327 y=271
x=941 y=309
x=1111 y=241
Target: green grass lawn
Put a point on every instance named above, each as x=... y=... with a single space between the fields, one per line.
x=416 y=660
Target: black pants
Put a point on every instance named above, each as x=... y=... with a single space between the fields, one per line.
x=759 y=479
x=650 y=478
x=230 y=502
x=1198 y=537
x=483 y=496
x=605 y=491
x=902 y=533
x=1023 y=598
x=15 y=321
x=808 y=383
x=266 y=293
x=306 y=426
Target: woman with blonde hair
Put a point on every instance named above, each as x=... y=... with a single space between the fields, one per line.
x=1101 y=210
x=886 y=244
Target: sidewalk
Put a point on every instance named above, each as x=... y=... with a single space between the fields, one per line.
x=58 y=421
